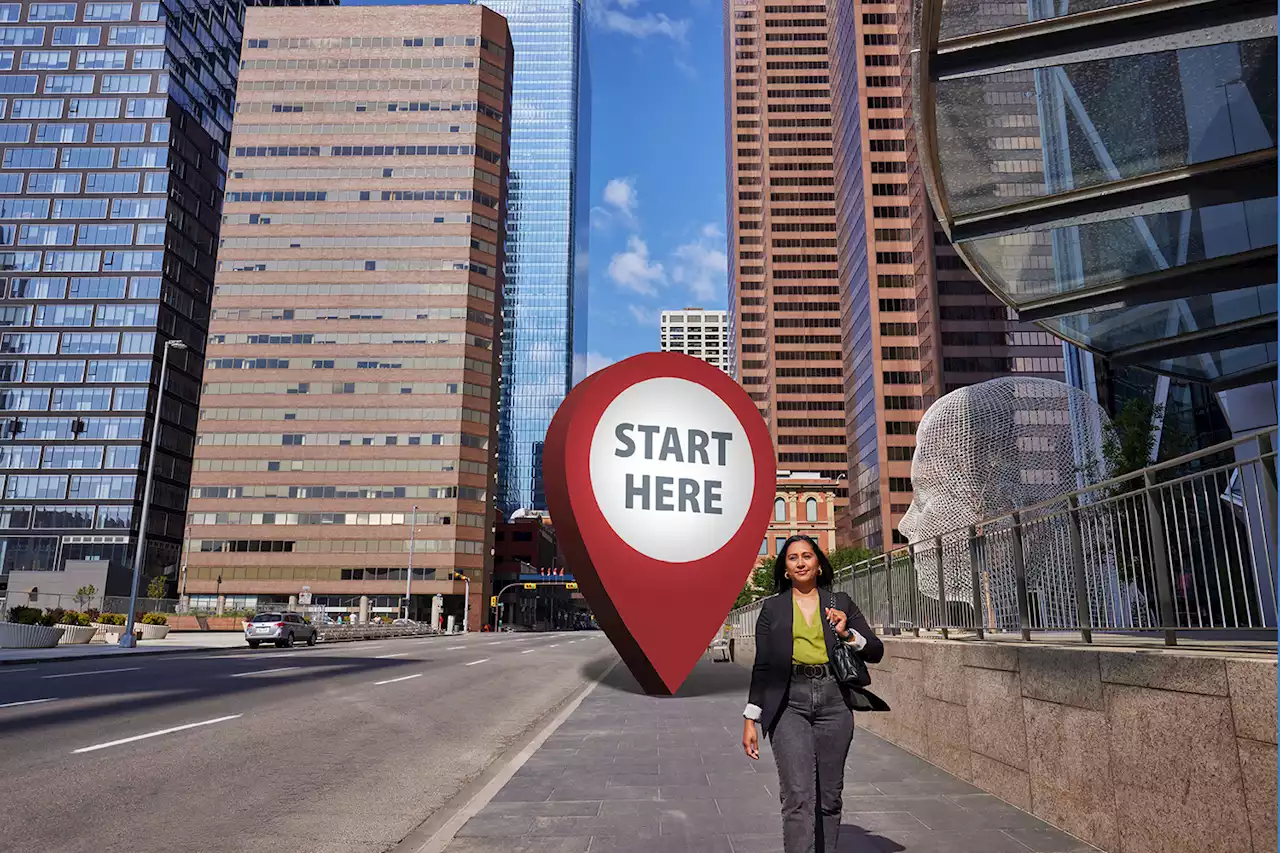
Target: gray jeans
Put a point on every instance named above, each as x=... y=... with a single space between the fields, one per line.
x=810 y=744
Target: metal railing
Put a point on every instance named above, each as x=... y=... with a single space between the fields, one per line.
x=97 y=601
x=339 y=633
x=1187 y=545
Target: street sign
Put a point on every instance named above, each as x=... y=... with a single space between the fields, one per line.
x=660 y=474
x=531 y=586
x=304 y=598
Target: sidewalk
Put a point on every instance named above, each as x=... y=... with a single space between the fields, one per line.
x=627 y=773
x=190 y=641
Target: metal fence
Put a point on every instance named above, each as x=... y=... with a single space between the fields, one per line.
x=97 y=601
x=1187 y=545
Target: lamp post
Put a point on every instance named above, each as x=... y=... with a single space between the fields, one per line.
x=408 y=582
x=127 y=640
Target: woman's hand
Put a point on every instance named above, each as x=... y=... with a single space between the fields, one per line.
x=839 y=621
x=750 y=740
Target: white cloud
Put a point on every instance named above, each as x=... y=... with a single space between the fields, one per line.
x=702 y=266
x=620 y=194
x=593 y=361
x=644 y=316
x=602 y=14
x=633 y=270
x=600 y=218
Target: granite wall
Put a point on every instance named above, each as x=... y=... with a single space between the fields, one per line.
x=1134 y=751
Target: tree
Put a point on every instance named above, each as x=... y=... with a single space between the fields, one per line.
x=851 y=555
x=84 y=596
x=759 y=584
x=157 y=587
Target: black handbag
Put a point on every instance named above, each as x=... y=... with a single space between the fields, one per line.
x=848 y=668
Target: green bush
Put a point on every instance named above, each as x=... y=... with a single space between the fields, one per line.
x=26 y=615
x=111 y=618
x=69 y=617
x=155 y=619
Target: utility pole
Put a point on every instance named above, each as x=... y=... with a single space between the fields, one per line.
x=408 y=581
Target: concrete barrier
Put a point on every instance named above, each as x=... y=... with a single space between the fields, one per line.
x=1133 y=750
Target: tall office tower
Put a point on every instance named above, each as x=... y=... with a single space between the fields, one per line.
x=118 y=116
x=544 y=315
x=917 y=322
x=784 y=304
x=352 y=351
x=697 y=332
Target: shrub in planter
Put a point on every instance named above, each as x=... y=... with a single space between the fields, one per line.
x=29 y=616
x=93 y=613
x=155 y=619
x=111 y=619
x=72 y=617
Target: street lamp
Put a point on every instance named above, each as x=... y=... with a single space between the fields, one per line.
x=466 y=596
x=127 y=640
x=408 y=583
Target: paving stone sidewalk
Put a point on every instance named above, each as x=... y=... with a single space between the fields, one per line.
x=627 y=773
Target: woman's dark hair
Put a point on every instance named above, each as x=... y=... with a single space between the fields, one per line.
x=782 y=583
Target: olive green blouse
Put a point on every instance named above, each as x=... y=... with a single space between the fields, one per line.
x=808 y=645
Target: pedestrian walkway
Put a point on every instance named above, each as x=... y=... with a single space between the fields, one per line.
x=184 y=642
x=628 y=773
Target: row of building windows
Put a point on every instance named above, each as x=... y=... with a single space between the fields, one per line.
x=72 y=314
x=56 y=370
x=334 y=439
x=374 y=41
x=330 y=173
x=375 y=289
x=342 y=466
x=340 y=388
x=63 y=133
x=359 y=519
x=71 y=183
x=362 y=195
x=66 y=12
x=421 y=363
x=364 y=492
x=350 y=241
x=66 y=517
x=84 y=235
x=335 y=546
x=56 y=487
x=322 y=265
x=77 y=343
x=265 y=108
x=79 y=456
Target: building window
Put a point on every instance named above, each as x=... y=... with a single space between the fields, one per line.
x=779 y=510
x=811 y=510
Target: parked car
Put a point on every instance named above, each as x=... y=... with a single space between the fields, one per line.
x=406 y=623
x=283 y=629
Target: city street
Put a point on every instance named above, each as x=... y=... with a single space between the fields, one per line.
x=340 y=748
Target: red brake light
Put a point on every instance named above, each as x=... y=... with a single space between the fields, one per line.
x=279 y=624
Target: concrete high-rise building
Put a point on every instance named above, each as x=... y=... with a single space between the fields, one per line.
x=917 y=322
x=784 y=291
x=353 y=349
x=697 y=332
x=118 y=117
x=544 y=317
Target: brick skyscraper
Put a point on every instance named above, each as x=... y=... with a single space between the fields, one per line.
x=784 y=302
x=354 y=344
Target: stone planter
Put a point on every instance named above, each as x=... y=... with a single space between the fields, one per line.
x=14 y=636
x=76 y=635
x=152 y=632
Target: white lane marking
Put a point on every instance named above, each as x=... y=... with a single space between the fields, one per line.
x=169 y=731
x=474 y=662
x=454 y=648
x=493 y=644
x=28 y=702
x=393 y=655
x=93 y=672
x=264 y=671
x=528 y=651
x=6 y=671
x=394 y=680
x=553 y=646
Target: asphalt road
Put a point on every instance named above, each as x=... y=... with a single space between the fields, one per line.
x=338 y=749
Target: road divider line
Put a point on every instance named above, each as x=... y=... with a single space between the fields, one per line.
x=169 y=731
x=7 y=671
x=554 y=646
x=93 y=672
x=474 y=662
x=493 y=644
x=394 y=680
x=392 y=655
x=264 y=671
x=528 y=651
x=454 y=648
x=27 y=702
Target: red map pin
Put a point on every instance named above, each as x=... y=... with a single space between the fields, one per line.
x=660 y=477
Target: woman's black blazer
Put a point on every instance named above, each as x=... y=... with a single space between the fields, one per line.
x=771 y=674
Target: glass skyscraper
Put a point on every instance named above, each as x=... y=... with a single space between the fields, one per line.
x=116 y=119
x=544 y=317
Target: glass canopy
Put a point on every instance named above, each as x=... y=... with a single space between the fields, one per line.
x=1109 y=170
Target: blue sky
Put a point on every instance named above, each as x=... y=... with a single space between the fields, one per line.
x=657 y=167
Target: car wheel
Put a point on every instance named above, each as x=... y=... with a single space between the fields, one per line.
x=311 y=641
x=253 y=644
x=288 y=641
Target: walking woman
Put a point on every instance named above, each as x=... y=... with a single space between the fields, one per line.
x=795 y=698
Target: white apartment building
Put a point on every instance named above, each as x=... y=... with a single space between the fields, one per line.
x=698 y=332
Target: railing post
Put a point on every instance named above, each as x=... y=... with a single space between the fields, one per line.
x=1020 y=578
x=1160 y=561
x=942 y=586
x=914 y=582
x=977 y=582
x=888 y=586
x=1077 y=566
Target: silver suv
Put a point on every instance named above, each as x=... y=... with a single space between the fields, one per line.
x=283 y=629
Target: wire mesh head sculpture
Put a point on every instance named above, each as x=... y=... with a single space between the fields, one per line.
x=987 y=450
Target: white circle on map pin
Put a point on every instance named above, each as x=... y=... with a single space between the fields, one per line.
x=673 y=537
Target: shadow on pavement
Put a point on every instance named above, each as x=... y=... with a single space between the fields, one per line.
x=855 y=839
x=707 y=679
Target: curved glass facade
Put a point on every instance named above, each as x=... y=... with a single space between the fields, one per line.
x=1116 y=186
x=544 y=316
